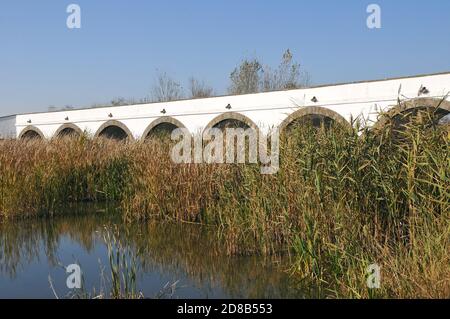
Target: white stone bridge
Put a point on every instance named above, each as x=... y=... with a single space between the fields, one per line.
x=340 y=102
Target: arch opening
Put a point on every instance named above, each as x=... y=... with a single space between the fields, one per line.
x=114 y=130
x=231 y=120
x=419 y=115
x=231 y=123
x=161 y=128
x=240 y=145
x=420 y=111
x=162 y=131
x=68 y=130
x=31 y=133
x=317 y=117
x=315 y=120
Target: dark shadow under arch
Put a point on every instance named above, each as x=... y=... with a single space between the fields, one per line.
x=114 y=130
x=31 y=132
x=162 y=127
x=315 y=114
x=440 y=108
x=68 y=130
x=233 y=142
x=231 y=119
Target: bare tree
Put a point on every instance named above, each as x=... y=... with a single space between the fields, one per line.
x=166 y=89
x=251 y=77
x=53 y=108
x=119 y=101
x=288 y=75
x=199 y=89
x=246 y=78
x=305 y=79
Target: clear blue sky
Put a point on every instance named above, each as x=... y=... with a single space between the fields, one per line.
x=122 y=44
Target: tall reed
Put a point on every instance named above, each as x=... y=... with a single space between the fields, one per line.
x=38 y=176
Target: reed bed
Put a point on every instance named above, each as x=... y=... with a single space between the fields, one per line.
x=37 y=177
x=343 y=199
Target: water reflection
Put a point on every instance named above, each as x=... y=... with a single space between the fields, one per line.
x=31 y=250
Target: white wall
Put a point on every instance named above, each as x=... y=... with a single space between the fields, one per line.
x=265 y=109
x=8 y=127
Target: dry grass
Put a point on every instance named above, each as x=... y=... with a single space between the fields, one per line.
x=38 y=176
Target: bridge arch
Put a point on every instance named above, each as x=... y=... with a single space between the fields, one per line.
x=68 y=129
x=161 y=125
x=113 y=129
x=316 y=114
x=233 y=118
x=441 y=107
x=31 y=132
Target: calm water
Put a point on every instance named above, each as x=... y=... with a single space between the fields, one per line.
x=32 y=251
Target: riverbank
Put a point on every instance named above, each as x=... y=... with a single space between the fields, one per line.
x=339 y=203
